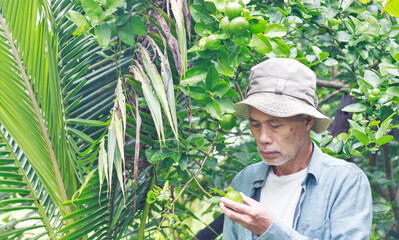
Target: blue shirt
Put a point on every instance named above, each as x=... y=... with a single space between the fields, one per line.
x=335 y=202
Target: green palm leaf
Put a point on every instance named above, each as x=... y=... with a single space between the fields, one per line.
x=19 y=195
x=106 y=215
x=31 y=108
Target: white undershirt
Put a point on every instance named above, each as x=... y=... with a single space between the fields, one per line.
x=280 y=194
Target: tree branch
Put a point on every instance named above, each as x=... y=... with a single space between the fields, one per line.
x=331 y=84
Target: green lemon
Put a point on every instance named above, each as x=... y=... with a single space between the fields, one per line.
x=227 y=122
x=202 y=43
x=243 y=39
x=375 y=91
x=257 y=25
x=239 y=25
x=233 y=195
x=212 y=42
x=225 y=25
x=233 y=9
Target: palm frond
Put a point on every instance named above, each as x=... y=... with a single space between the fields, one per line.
x=21 y=192
x=27 y=109
x=104 y=215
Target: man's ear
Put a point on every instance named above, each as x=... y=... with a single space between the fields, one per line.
x=309 y=121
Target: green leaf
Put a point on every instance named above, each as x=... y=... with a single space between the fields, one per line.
x=126 y=36
x=213 y=108
x=218 y=191
x=195 y=92
x=384 y=140
x=325 y=140
x=200 y=14
x=372 y=78
x=330 y=62
x=80 y=135
x=378 y=208
x=373 y=27
x=383 y=129
x=361 y=137
x=355 y=107
x=394 y=91
x=219 y=4
x=394 y=49
x=160 y=155
x=138 y=26
x=92 y=9
x=224 y=66
x=275 y=30
x=212 y=78
x=343 y=36
x=196 y=138
x=345 y=4
x=79 y=20
x=261 y=43
x=112 y=4
x=194 y=75
x=86 y=122
x=103 y=34
x=355 y=125
x=227 y=106
x=280 y=48
x=221 y=89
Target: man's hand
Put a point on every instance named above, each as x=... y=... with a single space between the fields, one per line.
x=253 y=216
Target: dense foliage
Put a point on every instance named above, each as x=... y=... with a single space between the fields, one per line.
x=116 y=116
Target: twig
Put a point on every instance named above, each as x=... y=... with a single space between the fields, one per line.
x=199 y=185
x=329 y=97
x=198 y=171
x=239 y=91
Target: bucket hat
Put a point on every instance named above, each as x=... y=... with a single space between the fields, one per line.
x=283 y=87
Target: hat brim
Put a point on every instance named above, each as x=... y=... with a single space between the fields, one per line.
x=282 y=106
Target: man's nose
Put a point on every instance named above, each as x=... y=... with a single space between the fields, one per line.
x=265 y=136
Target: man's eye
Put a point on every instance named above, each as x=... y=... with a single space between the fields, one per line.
x=255 y=125
x=275 y=126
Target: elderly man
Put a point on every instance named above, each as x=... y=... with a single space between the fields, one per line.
x=297 y=191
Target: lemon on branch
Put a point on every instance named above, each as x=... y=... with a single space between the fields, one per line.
x=233 y=9
x=239 y=25
x=212 y=42
x=227 y=122
x=225 y=25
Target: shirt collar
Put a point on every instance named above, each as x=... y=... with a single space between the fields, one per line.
x=314 y=167
x=260 y=177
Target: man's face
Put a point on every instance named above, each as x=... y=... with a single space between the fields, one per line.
x=279 y=140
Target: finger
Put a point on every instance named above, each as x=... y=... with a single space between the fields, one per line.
x=235 y=206
x=249 y=201
x=233 y=215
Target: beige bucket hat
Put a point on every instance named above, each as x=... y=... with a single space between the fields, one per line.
x=283 y=87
